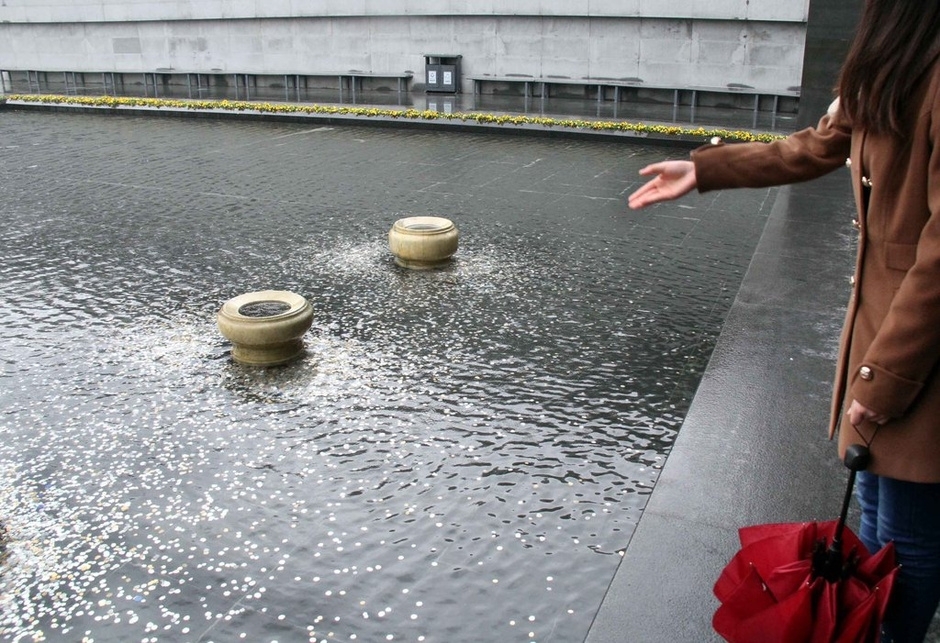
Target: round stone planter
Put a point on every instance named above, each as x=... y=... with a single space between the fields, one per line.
x=266 y=328
x=422 y=242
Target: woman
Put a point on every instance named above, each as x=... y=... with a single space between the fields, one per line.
x=886 y=127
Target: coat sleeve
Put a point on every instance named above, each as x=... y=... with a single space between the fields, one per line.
x=905 y=352
x=805 y=155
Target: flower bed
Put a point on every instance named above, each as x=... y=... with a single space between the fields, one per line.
x=409 y=114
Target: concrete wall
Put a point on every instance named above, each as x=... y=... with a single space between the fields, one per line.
x=133 y=10
x=693 y=42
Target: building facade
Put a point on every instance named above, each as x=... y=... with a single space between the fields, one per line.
x=691 y=42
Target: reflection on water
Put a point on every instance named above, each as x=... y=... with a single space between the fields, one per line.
x=461 y=451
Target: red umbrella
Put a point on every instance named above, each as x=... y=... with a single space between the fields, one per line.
x=805 y=582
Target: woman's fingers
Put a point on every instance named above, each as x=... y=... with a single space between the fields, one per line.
x=671 y=179
x=858 y=413
x=653 y=168
x=641 y=197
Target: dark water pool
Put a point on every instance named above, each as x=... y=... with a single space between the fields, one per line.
x=461 y=456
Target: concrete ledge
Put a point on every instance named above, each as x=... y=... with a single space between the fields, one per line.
x=753 y=448
x=667 y=135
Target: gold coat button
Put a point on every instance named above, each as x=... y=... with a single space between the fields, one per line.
x=848 y=162
x=866 y=373
x=856 y=224
x=866 y=182
x=852 y=280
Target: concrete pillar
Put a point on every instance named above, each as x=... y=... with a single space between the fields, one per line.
x=829 y=32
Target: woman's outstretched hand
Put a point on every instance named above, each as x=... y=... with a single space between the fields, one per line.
x=672 y=180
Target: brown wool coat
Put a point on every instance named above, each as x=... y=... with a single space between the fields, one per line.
x=890 y=346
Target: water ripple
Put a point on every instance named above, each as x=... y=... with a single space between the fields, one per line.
x=460 y=450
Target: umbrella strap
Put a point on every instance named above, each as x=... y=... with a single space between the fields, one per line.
x=868 y=442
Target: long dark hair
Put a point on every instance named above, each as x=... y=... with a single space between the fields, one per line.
x=896 y=42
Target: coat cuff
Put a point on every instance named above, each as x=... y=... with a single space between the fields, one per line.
x=708 y=174
x=882 y=391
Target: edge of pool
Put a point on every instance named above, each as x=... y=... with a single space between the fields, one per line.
x=753 y=447
x=379 y=120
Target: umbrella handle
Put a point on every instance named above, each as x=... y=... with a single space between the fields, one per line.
x=857 y=458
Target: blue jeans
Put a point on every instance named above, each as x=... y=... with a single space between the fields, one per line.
x=907 y=513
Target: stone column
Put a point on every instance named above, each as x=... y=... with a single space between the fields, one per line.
x=829 y=31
